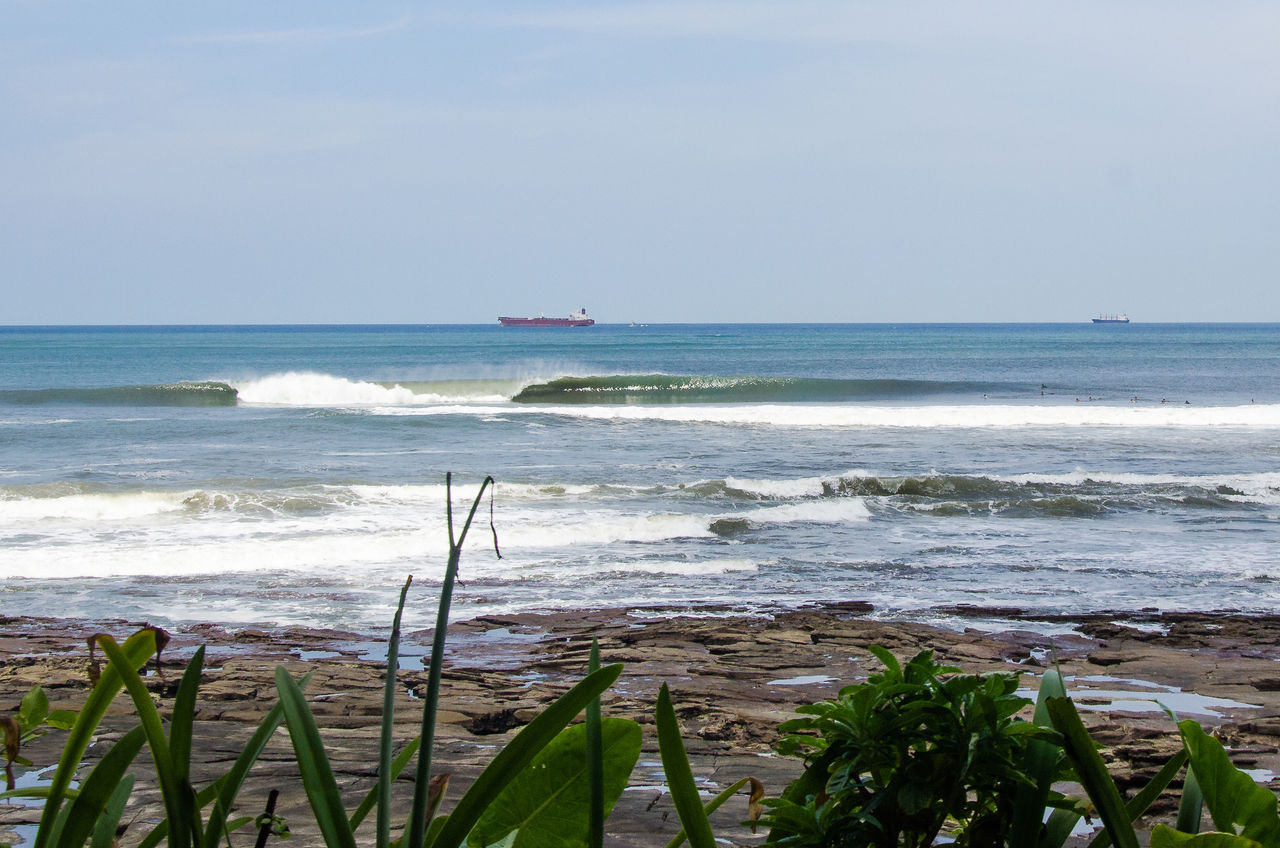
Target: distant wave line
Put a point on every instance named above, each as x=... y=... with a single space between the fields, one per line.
x=762 y=401
x=667 y=388
x=311 y=389
x=186 y=393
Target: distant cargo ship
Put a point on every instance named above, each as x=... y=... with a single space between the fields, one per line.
x=575 y=319
x=1112 y=319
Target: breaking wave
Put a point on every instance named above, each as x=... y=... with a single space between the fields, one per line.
x=666 y=389
x=205 y=393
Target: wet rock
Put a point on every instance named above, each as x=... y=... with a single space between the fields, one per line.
x=730 y=527
x=719 y=670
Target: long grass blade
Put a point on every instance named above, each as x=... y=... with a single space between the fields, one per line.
x=1092 y=771
x=595 y=760
x=181 y=727
x=711 y=806
x=226 y=788
x=1039 y=763
x=182 y=722
x=99 y=787
x=313 y=764
x=222 y=792
x=386 y=740
x=417 y=827
x=675 y=764
x=138 y=648
x=1191 y=806
x=178 y=801
x=104 y=831
x=1138 y=804
x=1058 y=828
x=518 y=752
x=370 y=799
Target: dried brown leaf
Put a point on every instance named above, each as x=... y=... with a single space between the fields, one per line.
x=755 y=805
x=435 y=793
x=12 y=745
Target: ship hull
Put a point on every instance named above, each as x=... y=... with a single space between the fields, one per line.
x=1111 y=320
x=545 y=322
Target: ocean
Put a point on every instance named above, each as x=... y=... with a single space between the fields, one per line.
x=264 y=476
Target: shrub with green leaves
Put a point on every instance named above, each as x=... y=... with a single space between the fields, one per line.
x=1244 y=814
x=915 y=749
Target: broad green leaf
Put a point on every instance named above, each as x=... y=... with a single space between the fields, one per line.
x=517 y=753
x=33 y=710
x=548 y=802
x=675 y=763
x=1232 y=796
x=61 y=719
x=1164 y=836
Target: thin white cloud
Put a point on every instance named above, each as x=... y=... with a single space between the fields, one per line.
x=303 y=36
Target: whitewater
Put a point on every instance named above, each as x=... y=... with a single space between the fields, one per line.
x=253 y=476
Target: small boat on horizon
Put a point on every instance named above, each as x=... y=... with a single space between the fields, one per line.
x=575 y=319
x=1118 y=318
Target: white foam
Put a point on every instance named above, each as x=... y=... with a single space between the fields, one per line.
x=182 y=555
x=827 y=511
x=1006 y=416
x=464 y=493
x=602 y=528
x=685 y=568
x=119 y=506
x=305 y=389
x=801 y=487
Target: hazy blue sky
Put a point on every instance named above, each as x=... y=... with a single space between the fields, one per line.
x=653 y=161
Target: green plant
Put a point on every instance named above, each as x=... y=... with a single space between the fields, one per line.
x=91 y=813
x=545 y=765
x=1244 y=813
x=553 y=784
x=684 y=792
x=916 y=749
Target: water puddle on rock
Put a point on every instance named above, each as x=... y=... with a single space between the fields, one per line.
x=1103 y=693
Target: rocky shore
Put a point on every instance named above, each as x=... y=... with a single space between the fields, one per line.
x=733 y=679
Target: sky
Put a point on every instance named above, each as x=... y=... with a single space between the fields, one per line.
x=305 y=161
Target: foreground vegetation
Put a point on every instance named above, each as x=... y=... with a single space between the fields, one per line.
x=916 y=754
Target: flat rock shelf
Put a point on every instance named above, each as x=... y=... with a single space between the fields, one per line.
x=733 y=679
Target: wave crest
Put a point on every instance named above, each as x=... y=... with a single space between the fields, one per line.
x=185 y=393
x=667 y=388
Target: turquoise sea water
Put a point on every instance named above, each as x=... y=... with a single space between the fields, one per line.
x=260 y=475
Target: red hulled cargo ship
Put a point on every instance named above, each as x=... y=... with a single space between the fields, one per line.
x=575 y=319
